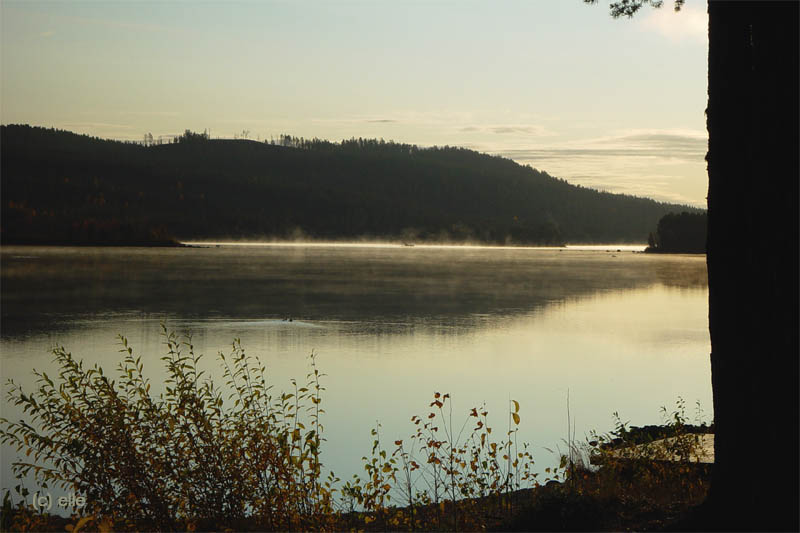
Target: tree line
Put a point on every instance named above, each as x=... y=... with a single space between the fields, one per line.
x=680 y=233
x=60 y=187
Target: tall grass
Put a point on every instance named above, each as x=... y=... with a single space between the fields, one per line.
x=445 y=475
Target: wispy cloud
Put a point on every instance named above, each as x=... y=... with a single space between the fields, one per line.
x=507 y=129
x=652 y=163
x=661 y=144
x=528 y=130
x=150 y=113
x=105 y=125
x=411 y=118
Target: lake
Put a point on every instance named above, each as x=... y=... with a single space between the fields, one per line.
x=617 y=330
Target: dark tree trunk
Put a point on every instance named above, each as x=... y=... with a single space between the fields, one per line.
x=753 y=263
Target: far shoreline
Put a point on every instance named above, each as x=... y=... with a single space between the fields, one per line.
x=612 y=248
x=106 y=244
x=583 y=247
x=651 y=250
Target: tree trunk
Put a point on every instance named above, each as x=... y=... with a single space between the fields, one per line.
x=752 y=120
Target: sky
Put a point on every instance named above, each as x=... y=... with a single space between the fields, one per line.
x=616 y=105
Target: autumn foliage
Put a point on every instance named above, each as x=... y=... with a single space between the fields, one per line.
x=240 y=456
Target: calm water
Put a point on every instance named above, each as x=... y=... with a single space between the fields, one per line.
x=621 y=331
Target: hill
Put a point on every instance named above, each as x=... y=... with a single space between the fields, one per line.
x=60 y=187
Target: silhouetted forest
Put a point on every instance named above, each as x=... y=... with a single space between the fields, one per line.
x=60 y=187
x=680 y=233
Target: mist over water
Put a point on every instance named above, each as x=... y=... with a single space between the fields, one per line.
x=622 y=331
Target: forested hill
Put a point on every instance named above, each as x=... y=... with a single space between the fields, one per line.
x=59 y=187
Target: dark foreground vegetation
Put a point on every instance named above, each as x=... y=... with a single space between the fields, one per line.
x=196 y=458
x=59 y=187
x=680 y=233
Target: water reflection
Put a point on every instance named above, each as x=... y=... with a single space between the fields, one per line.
x=48 y=289
x=622 y=331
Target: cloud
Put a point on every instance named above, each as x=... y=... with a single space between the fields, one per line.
x=150 y=113
x=689 y=147
x=47 y=34
x=505 y=129
x=690 y=24
x=412 y=118
x=99 y=125
x=528 y=130
x=664 y=144
x=666 y=165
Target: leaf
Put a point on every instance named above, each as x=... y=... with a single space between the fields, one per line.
x=516 y=405
x=82 y=522
x=106 y=524
x=515 y=416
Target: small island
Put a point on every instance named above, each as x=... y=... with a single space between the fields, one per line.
x=683 y=233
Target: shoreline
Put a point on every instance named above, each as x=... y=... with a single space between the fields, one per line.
x=603 y=247
x=651 y=250
x=84 y=244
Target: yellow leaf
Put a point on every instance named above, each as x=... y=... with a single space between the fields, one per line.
x=387 y=468
x=82 y=522
x=516 y=405
x=515 y=416
x=106 y=525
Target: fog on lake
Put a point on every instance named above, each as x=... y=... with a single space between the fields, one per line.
x=621 y=331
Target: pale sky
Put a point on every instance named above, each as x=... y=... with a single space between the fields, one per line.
x=616 y=105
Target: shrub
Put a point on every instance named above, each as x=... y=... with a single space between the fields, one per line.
x=661 y=463
x=186 y=458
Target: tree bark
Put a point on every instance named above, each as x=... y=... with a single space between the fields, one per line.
x=752 y=120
